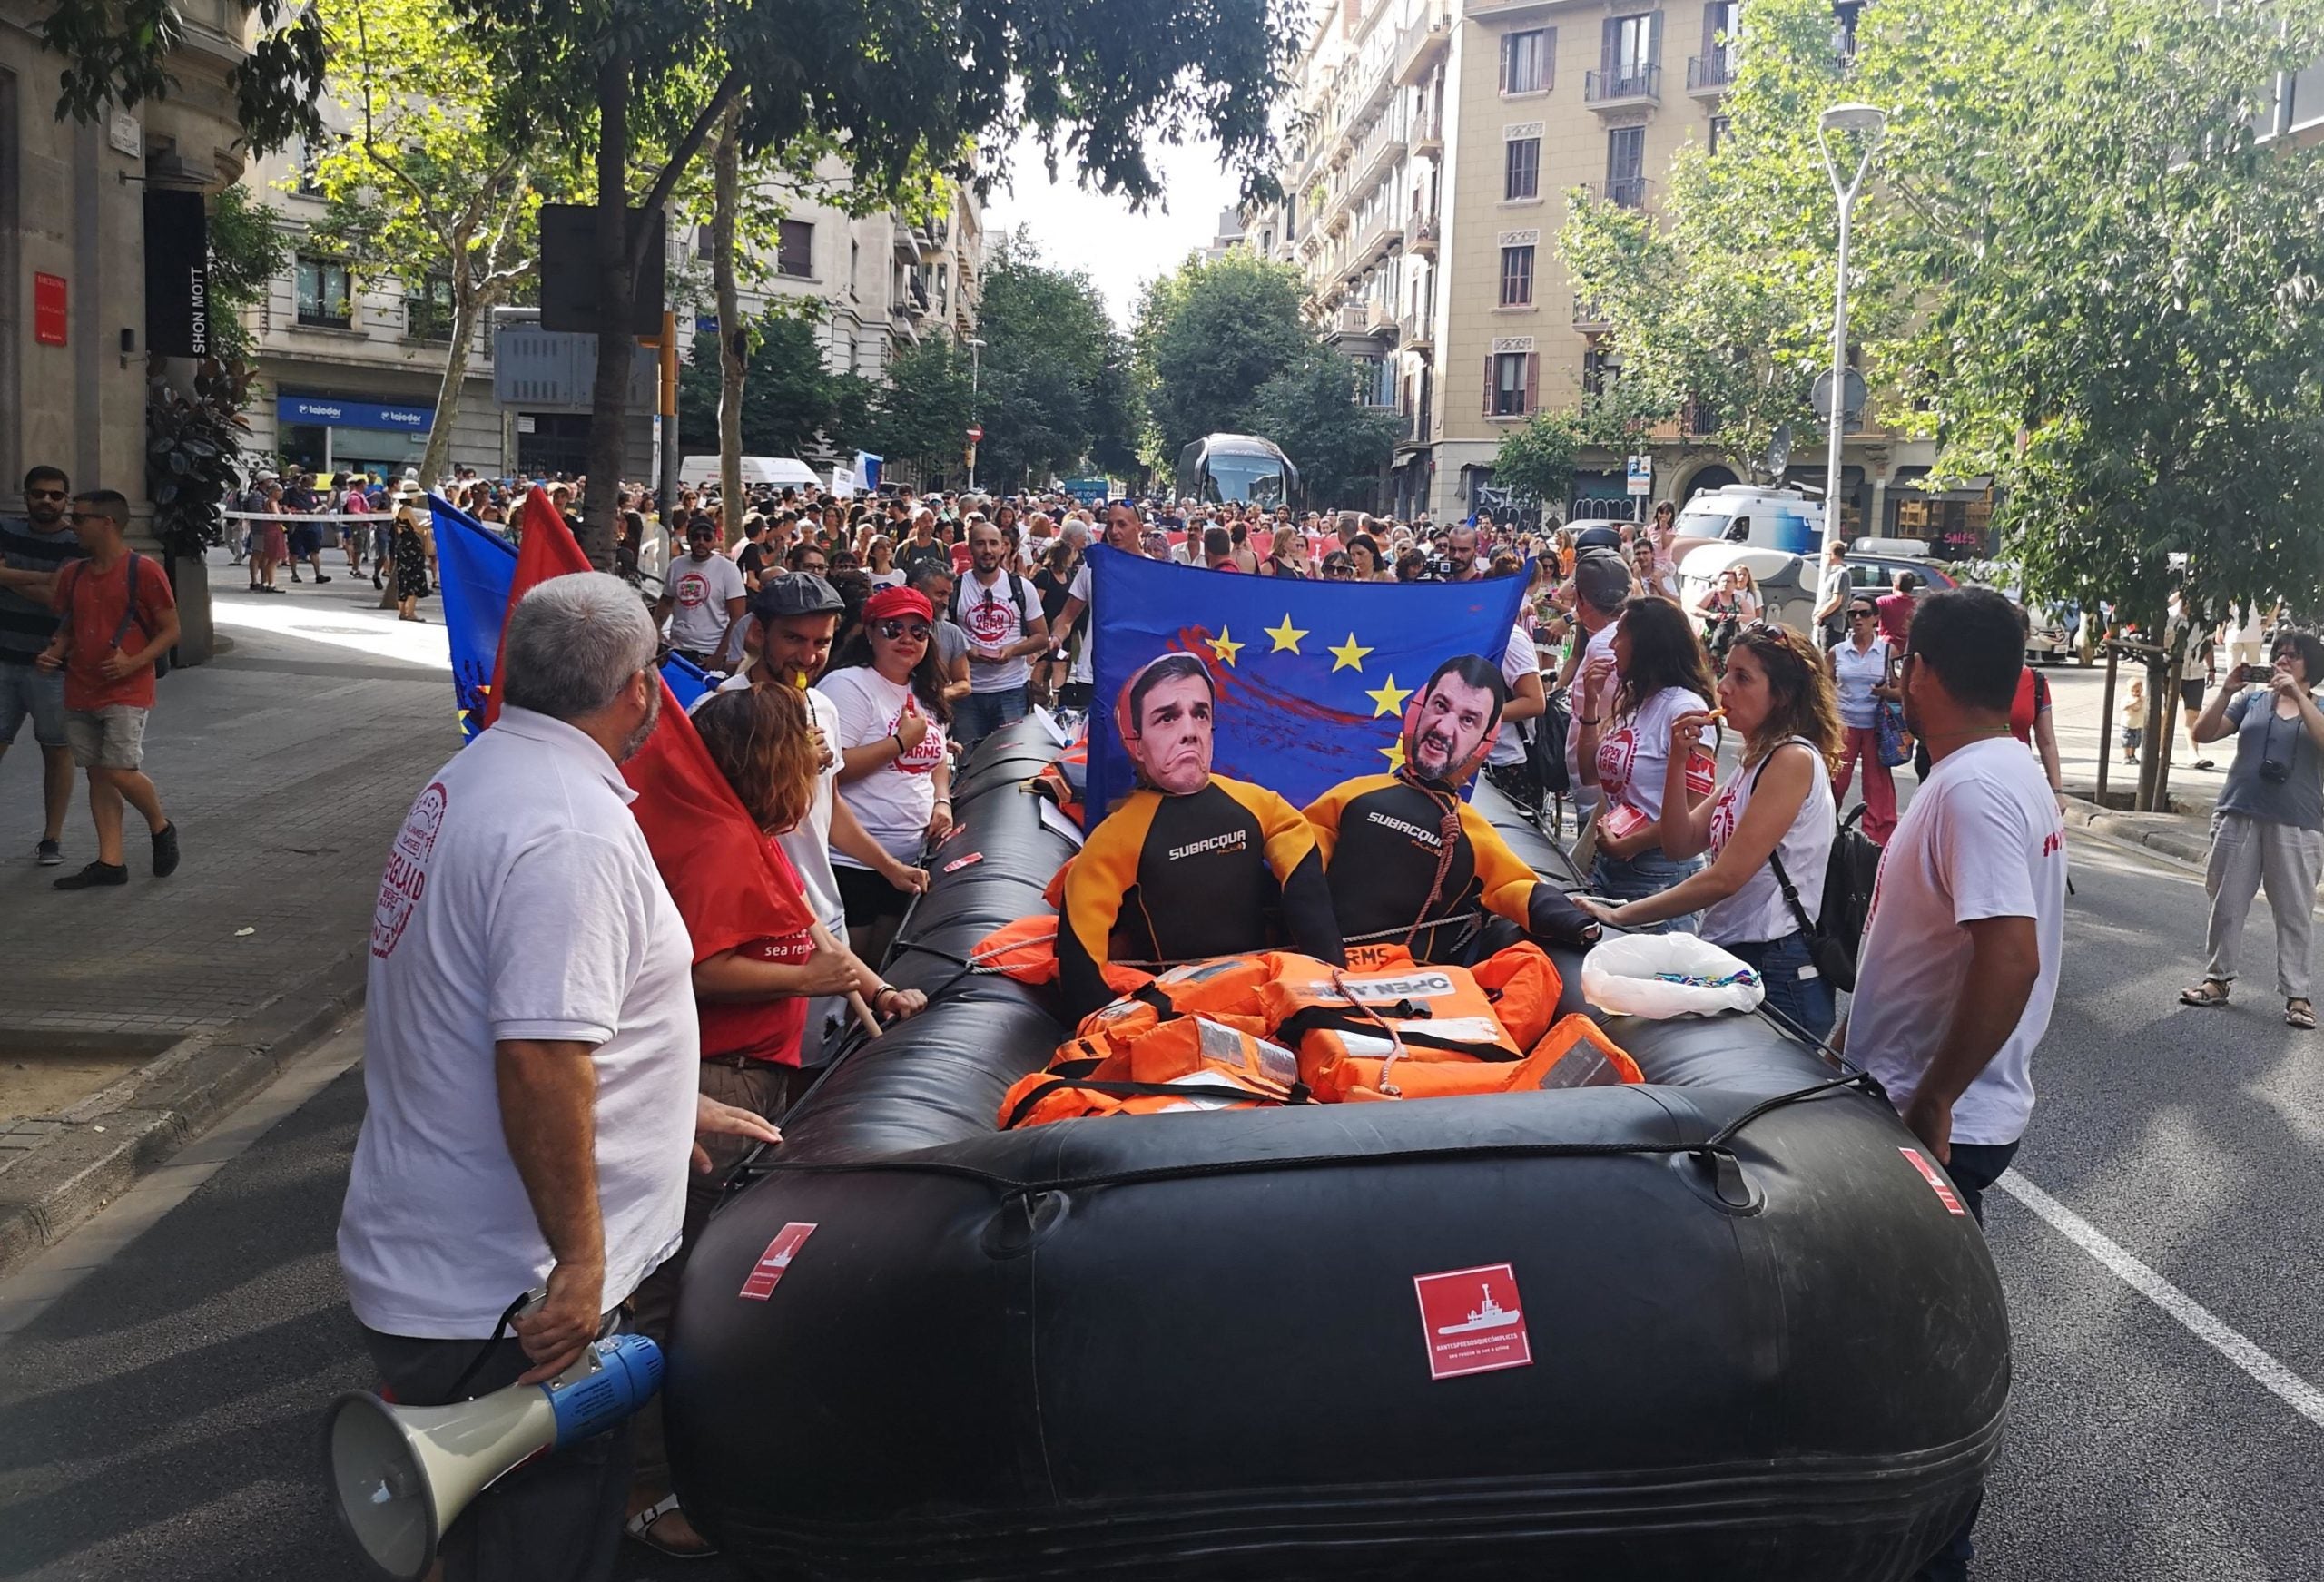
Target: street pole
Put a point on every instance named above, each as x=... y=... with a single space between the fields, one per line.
x=975 y=370
x=1867 y=120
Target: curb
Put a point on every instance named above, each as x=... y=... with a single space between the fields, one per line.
x=115 y=1137
x=2170 y=835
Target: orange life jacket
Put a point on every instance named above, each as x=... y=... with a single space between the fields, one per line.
x=1025 y=949
x=1573 y=1053
x=1181 y=1062
x=1523 y=985
x=1063 y=782
x=1399 y=1013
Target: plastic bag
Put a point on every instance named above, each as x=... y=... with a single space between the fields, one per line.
x=1661 y=975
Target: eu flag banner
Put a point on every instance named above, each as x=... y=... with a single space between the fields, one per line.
x=1311 y=677
x=476 y=568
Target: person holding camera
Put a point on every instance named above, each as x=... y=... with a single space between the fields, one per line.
x=2269 y=822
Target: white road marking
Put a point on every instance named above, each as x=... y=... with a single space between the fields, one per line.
x=2199 y=1320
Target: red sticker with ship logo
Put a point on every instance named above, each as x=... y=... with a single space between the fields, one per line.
x=958 y=863
x=1936 y=1179
x=768 y=1272
x=1472 y=1320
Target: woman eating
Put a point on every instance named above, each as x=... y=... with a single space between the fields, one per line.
x=1776 y=808
x=895 y=775
x=1663 y=676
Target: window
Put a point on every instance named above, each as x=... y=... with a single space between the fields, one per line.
x=1375 y=382
x=428 y=309
x=1630 y=47
x=1525 y=60
x=1722 y=27
x=1521 y=172
x=1509 y=383
x=794 y=252
x=1517 y=277
x=854 y=266
x=1721 y=129
x=1626 y=166
x=311 y=154
x=324 y=295
x=1599 y=372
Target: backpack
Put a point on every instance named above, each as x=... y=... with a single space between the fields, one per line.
x=1837 y=931
x=128 y=614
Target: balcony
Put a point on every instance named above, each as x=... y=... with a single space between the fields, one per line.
x=1623 y=191
x=1420 y=47
x=1354 y=319
x=1421 y=236
x=1711 y=75
x=1589 y=316
x=1378 y=161
x=1375 y=243
x=1428 y=137
x=1421 y=337
x=933 y=236
x=1624 y=88
x=1381 y=319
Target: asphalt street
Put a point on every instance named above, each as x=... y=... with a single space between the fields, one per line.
x=160 y=1418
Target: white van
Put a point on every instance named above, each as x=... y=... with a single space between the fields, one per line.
x=774 y=472
x=1752 y=513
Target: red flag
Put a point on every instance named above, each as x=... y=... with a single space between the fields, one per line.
x=733 y=885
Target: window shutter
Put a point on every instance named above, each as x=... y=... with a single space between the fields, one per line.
x=1611 y=34
x=1533 y=382
x=1654 y=38
x=1507 y=53
x=1489 y=362
x=1549 y=58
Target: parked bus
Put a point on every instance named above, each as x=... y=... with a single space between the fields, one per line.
x=1236 y=468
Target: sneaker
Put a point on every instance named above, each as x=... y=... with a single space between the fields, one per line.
x=52 y=854
x=166 y=850
x=94 y=875
x=321 y=577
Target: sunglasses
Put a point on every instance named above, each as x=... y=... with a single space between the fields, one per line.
x=1860 y=615
x=45 y=494
x=903 y=631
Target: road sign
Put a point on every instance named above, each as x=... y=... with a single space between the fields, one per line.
x=1852 y=395
x=975 y=433
x=1641 y=475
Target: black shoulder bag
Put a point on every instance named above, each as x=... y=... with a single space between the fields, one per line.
x=1834 y=958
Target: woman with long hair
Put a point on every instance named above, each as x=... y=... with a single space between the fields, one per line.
x=1286 y=555
x=1770 y=826
x=1363 y=554
x=895 y=775
x=1664 y=675
x=879 y=563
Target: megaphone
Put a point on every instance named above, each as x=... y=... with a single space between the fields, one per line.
x=401 y=1475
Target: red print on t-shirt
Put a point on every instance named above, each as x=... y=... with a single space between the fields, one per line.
x=406 y=879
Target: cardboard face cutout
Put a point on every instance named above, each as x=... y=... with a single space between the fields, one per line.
x=1163 y=719
x=1451 y=724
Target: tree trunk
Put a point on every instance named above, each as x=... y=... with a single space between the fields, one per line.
x=467 y=307
x=725 y=199
x=609 y=397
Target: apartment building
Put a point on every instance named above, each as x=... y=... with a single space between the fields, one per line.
x=1423 y=208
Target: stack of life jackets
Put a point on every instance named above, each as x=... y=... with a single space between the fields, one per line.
x=1276 y=1027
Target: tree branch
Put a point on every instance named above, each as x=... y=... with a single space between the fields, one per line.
x=371 y=143
x=681 y=155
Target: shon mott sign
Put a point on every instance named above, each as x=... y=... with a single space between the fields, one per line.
x=177 y=274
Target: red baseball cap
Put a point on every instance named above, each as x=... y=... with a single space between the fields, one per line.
x=889 y=602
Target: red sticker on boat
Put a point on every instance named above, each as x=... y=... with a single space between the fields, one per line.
x=960 y=862
x=767 y=1273
x=1936 y=1179
x=1472 y=1320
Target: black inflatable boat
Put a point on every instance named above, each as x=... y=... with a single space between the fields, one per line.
x=1548 y=1335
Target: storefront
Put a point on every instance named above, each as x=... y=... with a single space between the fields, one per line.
x=1956 y=524
x=332 y=434
x=1601 y=496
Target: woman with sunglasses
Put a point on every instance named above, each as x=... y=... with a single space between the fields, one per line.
x=1664 y=675
x=895 y=775
x=1776 y=811
x=1862 y=666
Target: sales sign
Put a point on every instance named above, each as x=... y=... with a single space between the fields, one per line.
x=1472 y=1322
x=48 y=309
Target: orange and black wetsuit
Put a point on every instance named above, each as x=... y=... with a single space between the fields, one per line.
x=1163 y=879
x=1383 y=838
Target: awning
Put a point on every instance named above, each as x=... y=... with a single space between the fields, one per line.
x=1908 y=480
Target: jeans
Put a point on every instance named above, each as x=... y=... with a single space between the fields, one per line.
x=1973 y=1167
x=980 y=715
x=1804 y=1003
x=1633 y=879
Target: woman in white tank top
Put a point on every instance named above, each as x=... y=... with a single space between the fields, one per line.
x=1777 y=804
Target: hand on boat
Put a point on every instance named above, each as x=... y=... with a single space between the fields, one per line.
x=905 y=877
x=713 y=1120
x=1931 y=1121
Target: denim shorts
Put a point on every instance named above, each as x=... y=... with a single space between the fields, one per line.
x=1633 y=879
x=26 y=689
x=1803 y=1002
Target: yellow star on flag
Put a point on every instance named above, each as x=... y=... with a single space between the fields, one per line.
x=1395 y=755
x=1225 y=646
x=1349 y=655
x=1391 y=699
x=1285 y=635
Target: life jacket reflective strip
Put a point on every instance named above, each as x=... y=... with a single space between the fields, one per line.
x=1401 y=1012
x=1043 y=1097
x=1573 y=1053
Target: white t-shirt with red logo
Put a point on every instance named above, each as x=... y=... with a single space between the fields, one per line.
x=995 y=617
x=1982 y=839
x=894 y=800
x=520 y=902
x=1634 y=754
x=699 y=590
x=1758 y=912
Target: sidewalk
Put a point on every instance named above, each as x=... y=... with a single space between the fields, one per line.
x=287 y=762
x=2183 y=834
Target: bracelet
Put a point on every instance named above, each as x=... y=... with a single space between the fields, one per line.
x=897 y=737
x=1589 y=720
x=883 y=988
x=943 y=802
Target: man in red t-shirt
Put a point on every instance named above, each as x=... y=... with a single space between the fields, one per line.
x=1896 y=609
x=117 y=617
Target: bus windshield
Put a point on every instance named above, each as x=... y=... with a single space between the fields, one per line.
x=1235 y=479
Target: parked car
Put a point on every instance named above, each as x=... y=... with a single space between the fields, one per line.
x=1787 y=585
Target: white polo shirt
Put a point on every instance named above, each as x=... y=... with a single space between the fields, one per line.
x=519 y=902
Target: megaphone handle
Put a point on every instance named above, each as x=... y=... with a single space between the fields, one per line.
x=509 y=1315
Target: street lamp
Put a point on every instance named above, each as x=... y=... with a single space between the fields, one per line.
x=1866 y=122
x=976 y=367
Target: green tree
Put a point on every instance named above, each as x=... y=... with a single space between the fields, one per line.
x=1339 y=446
x=1535 y=462
x=119 y=52
x=428 y=187
x=790 y=399
x=1208 y=337
x=1049 y=354
x=921 y=417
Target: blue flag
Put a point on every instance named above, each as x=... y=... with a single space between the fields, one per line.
x=1311 y=677
x=476 y=567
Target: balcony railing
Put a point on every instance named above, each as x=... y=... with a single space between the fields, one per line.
x=1355 y=321
x=1380 y=319
x=1422 y=235
x=1628 y=85
x=1711 y=73
x=1623 y=192
x=1419 y=46
x=1428 y=136
x=1589 y=315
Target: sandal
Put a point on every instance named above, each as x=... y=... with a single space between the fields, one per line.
x=2211 y=991
x=2298 y=1013
x=639 y=1529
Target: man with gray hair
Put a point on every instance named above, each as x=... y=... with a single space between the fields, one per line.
x=530 y=1062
